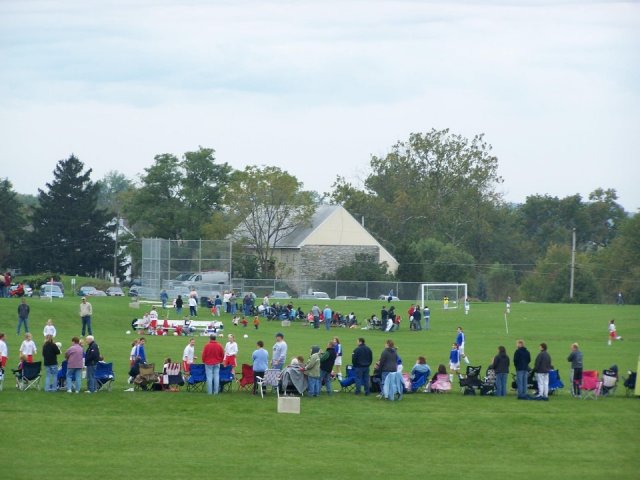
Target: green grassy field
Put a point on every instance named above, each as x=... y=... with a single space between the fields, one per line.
x=179 y=435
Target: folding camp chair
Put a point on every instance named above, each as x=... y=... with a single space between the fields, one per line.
x=28 y=376
x=442 y=384
x=609 y=381
x=147 y=378
x=104 y=376
x=471 y=380
x=171 y=378
x=591 y=385
x=271 y=379
x=226 y=379
x=419 y=381
x=246 y=381
x=630 y=383
x=555 y=383
x=349 y=382
x=197 y=378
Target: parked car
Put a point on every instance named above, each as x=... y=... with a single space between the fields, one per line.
x=279 y=294
x=52 y=291
x=115 y=292
x=350 y=297
x=97 y=293
x=315 y=295
x=134 y=291
x=27 y=291
x=386 y=298
x=86 y=291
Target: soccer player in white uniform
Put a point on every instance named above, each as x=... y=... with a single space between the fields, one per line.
x=613 y=335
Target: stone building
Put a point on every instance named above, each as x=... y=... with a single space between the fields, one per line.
x=332 y=240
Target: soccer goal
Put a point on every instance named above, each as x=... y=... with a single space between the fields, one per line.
x=447 y=295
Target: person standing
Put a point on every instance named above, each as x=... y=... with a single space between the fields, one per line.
x=91 y=359
x=327 y=360
x=521 y=360
x=315 y=311
x=507 y=306
x=179 y=303
x=4 y=351
x=542 y=366
x=467 y=305
x=454 y=361
x=260 y=359
x=427 y=317
x=501 y=366
x=388 y=362
x=218 y=304
x=417 y=318
x=164 y=298
x=328 y=315
x=49 y=329
x=28 y=348
x=75 y=362
x=279 y=355
x=212 y=356
x=460 y=338
x=361 y=359
x=231 y=353
x=188 y=355
x=50 y=352
x=313 y=372
x=193 y=306
x=23 y=315
x=575 y=357
x=86 y=311
x=337 y=366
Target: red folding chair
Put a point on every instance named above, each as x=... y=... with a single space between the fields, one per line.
x=246 y=381
x=591 y=385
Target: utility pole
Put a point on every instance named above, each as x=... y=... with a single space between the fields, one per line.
x=573 y=264
x=115 y=251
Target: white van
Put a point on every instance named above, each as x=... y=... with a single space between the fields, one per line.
x=211 y=276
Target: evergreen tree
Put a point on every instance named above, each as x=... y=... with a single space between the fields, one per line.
x=12 y=223
x=71 y=234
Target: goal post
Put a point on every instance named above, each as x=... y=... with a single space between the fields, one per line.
x=447 y=295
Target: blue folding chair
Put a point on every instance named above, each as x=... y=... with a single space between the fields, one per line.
x=349 y=382
x=420 y=380
x=554 y=382
x=104 y=376
x=197 y=378
x=226 y=379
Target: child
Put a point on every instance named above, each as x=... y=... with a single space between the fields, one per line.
x=4 y=352
x=256 y=322
x=612 y=331
x=460 y=342
x=466 y=306
x=49 y=329
x=235 y=320
x=454 y=361
x=28 y=348
x=133 y=356
x=244 y=322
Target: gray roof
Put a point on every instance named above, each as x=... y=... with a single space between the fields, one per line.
x=296 y=238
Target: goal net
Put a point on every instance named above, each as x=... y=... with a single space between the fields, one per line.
x=446 y=295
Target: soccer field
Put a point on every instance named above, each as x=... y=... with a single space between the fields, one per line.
x=237 y=435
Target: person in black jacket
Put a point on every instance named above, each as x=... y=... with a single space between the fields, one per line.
x=91 y=359
x=521 y=360
x=501 y=366
x=327 y=359
x=542 y=367
x=50 y=352
x=361 y=359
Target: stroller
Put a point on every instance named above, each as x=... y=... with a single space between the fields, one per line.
x=471 y=381
x=488 y=386
x=374 y=323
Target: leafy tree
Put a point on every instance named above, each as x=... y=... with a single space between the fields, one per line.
x=177 y=198
x=111 y=190
x=551 y=278
x=70 y=233
x=606 y=216
x=501 y=281
x=12 y=223
x=269 y=204
x=439 y=262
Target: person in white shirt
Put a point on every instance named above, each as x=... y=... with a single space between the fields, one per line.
x=49 y=329
x=28 y=348
x=231 y=353
x=193 y=306
x=188 y=355
x=4 y=352
x=153 y=314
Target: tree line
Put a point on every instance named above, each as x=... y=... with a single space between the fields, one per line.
x=432 y=201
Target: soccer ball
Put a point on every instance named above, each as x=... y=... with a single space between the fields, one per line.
x=59 y=345
x=175 y=334
x=246 y=336
x=128 y=332
x=220 y=335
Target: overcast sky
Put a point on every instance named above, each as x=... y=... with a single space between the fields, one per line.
x=317 y=87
